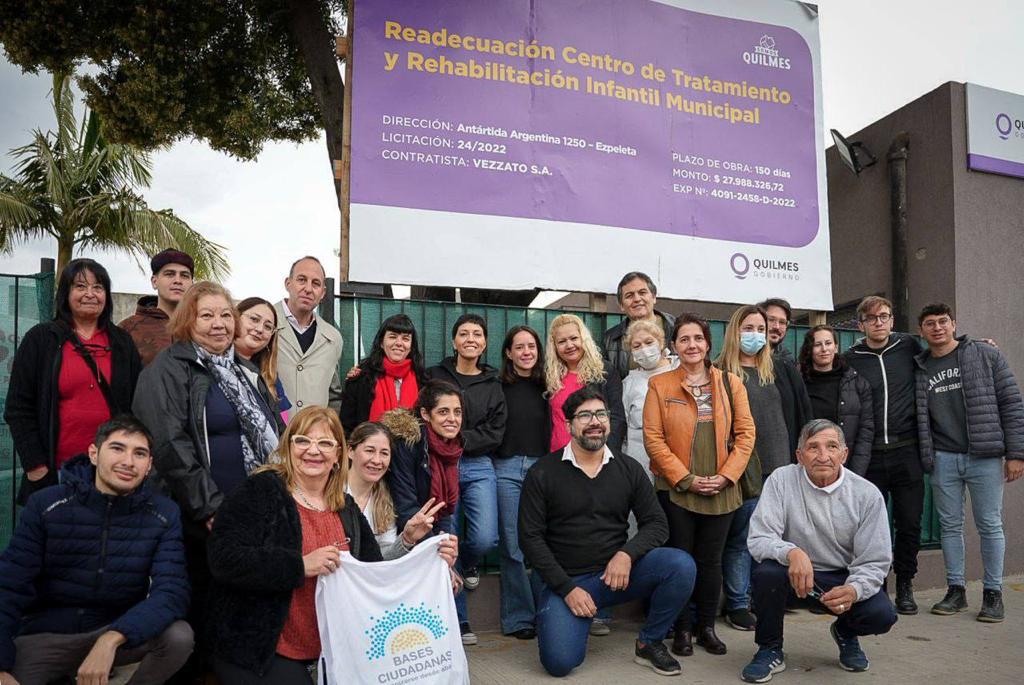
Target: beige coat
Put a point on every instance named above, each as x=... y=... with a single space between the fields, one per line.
x=309 y=378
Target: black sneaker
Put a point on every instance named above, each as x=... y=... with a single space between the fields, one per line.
x=468 y=636
x=741 y=619
x=524 y=634
x=954 y=601
x=851 y=656
x=656 y=657
x=905 y=603
x=471 y=578
x=991 y=607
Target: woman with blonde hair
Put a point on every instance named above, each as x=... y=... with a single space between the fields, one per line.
x=283 y=528
x=573 y=361
x=780 y=407
x=644 y=341
x=699 y=432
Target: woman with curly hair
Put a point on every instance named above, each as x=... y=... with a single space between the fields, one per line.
x=573 y=361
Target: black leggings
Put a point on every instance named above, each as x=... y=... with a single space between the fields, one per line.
x=282 y=671
x=703 y=536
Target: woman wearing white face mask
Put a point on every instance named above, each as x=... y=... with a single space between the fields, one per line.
x=646 y=342
x=780 y=407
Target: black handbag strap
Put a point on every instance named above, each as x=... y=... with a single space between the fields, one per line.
x=108 y=394
x=728 y=395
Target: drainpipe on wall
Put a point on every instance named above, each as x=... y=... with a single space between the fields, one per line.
x=898 y=153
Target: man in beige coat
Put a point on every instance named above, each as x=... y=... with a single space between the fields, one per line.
x=308 y=348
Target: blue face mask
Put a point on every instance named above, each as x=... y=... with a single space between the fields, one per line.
x=751 y=342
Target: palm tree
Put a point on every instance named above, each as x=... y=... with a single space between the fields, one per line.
x=75 y=186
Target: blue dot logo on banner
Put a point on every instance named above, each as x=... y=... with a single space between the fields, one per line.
x=740 y=265
x=404 y=629
x=1004 y=125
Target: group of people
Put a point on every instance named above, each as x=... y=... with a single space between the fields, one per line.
x=191 y=471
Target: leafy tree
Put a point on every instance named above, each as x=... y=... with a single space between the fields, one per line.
x=235 y=73
x=75 y=186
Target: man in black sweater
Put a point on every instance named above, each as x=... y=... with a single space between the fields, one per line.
x=573 y=523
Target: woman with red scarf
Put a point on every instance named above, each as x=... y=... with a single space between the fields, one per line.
x=426 y=453
x=389 y=378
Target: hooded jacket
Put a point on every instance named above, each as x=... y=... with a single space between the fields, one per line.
x=149 y=328
x=856 y=417
x=995 y=411
x=890 y=373
x=172 y=404
x=409 y=476
x=80 y=560
x=255 y=553
x=483 y=416
x=616 y=356
x=32 y=408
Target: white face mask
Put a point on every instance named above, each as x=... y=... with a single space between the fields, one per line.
x=647 y=357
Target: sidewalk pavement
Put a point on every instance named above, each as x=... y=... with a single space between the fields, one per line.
x=924 y=649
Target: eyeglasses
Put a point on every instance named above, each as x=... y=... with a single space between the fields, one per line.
x=601 y=415
x=304 y=442
x=268 y=325
x=881 y=318
x=937 y=323
x=778 y=321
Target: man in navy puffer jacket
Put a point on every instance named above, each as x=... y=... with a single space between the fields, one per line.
x=94 y=576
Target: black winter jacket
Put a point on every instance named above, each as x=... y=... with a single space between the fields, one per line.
x=856 y=417
x=796 y=404
x=995 y=411
x=357 y=398
x=483 y=417
x=255 y=554
x=172 y=403
x=80 y=560
x=409 y=477
x=617 y=358
x=890 y=373
x=33 y=397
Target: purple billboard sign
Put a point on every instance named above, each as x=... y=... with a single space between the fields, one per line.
x=636 y=115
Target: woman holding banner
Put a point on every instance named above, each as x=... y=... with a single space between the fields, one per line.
x=272 y=538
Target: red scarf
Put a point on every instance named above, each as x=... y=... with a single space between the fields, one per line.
x=384 y=398
x=444 y=458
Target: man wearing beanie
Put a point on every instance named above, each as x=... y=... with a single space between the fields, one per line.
x=172 y=276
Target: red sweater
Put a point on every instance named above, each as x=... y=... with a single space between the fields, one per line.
x=82 y=407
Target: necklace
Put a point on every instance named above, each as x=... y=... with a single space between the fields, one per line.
x=305 y=501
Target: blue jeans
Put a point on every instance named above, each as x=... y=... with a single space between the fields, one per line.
x=736 y=559
x=984 y=479
x=517 y=607
x=664 y=575
x=478 y=505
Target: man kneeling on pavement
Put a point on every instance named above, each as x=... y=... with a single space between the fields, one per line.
x=94 y=576
x=573 y=529
x=819 y=530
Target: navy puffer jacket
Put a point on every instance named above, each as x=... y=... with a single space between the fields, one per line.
x=995 y=411
x=80 y=560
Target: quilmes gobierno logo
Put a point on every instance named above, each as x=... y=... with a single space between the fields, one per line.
x=765 y=54
x=763 y=268
x=1004 y=125
x=404 y=640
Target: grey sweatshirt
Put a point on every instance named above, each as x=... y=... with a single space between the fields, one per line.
x=846 y=528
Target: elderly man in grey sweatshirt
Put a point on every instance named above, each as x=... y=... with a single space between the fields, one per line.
x=819 y=530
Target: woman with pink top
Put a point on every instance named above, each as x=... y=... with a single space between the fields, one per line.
x=576 y=362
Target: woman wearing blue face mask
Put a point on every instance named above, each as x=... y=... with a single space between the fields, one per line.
x=780 y=407
x=645 y=341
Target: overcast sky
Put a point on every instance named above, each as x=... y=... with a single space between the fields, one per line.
x=876 y=56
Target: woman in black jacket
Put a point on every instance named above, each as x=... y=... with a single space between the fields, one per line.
x=213 y=422
x=69 y=376
x=838 y=393
x=285 y=526
x=388 y=378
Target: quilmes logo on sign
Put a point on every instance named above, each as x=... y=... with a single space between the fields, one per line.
x=1006 y=125
x=766 y=55
x=763 y=268
x=406 y=637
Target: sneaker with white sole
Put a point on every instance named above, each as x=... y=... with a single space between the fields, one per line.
x=767 y=662
x=468 y=636
x=655 y=656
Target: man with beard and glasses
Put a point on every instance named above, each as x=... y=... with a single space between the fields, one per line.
x=94 y=576
x=573 y=529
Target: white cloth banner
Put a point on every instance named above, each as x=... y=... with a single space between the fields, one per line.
x=390 y=622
